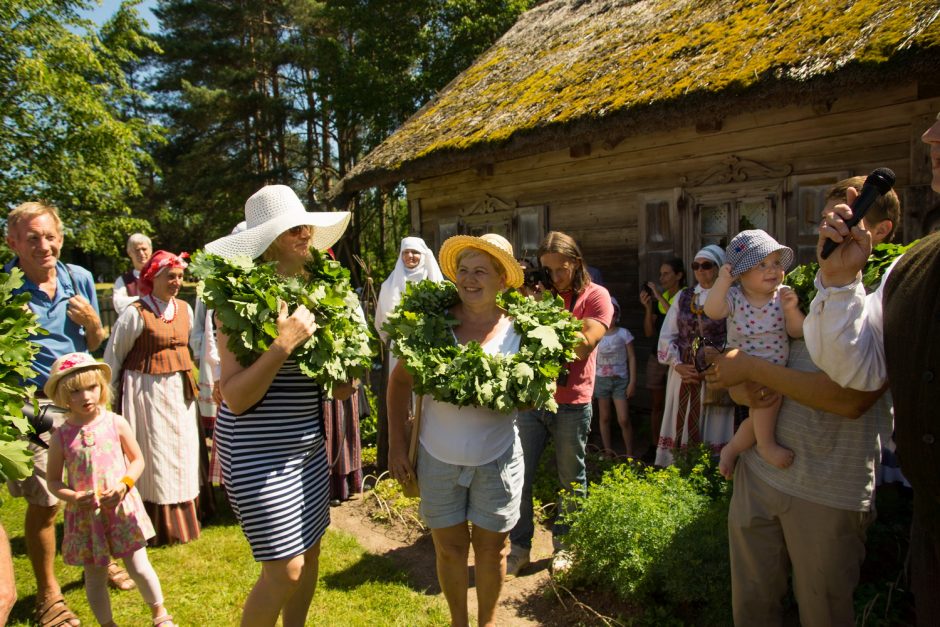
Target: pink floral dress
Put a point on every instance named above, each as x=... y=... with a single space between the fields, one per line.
x=94 y=460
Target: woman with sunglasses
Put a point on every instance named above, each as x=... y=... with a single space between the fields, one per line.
x=687 y=331
x=270 y=430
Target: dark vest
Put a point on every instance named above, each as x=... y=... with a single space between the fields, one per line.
x=912 y=351
x=130 y=282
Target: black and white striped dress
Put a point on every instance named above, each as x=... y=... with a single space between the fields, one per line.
x=274 y=467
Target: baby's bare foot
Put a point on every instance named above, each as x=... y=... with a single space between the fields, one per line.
x=779 y=456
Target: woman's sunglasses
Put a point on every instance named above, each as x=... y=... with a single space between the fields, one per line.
x=702 y=349
x=703 y=265
x=297 y=230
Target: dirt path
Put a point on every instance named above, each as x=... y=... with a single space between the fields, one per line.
x=523 y=601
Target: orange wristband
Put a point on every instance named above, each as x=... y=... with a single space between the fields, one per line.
x=128 y=482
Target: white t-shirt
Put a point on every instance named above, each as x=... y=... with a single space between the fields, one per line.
x=470 y=436
x=612 y=354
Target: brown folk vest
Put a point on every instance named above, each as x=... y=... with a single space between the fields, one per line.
x=162 y=347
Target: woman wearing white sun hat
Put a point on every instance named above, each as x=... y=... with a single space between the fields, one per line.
x=269 y=430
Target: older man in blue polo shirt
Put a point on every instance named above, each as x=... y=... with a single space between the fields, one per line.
x=63 y=297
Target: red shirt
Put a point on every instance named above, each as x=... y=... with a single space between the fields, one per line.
x=593 y=302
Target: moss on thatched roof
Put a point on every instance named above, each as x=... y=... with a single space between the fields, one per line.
x=575 y=70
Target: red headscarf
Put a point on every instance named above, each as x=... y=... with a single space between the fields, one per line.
x=160 y=261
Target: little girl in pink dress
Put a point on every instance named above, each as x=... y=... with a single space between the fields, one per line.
x=104 y=514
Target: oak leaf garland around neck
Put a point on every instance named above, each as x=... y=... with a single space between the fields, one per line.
x=462 y=374
x=246 y=298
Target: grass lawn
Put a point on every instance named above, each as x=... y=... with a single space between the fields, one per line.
x=206 y=582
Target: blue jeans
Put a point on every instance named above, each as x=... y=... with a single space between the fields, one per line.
x=569 y=427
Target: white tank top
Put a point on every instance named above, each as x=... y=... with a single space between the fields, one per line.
x=470 y=436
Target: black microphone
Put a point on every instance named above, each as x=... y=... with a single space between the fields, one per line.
x=878 y=183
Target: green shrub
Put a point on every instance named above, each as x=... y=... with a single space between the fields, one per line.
x=17 y=322
x=657 y=539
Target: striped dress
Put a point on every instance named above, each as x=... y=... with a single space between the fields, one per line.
x=274 y=467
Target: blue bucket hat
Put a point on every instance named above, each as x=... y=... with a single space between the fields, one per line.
x=749 y=248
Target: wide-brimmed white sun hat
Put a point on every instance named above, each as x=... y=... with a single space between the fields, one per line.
x=269 y=212
x=495 y=245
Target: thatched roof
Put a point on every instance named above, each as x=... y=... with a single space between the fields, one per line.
x=571 y=71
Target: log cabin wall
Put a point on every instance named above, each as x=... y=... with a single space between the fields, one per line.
x=632 y=202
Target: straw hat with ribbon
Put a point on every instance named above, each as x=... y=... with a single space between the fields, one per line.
x=269 y=212
x=495 y=245
x=69 y=363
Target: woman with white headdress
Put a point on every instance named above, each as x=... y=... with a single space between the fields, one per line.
x=687 y=418
x=415 y=263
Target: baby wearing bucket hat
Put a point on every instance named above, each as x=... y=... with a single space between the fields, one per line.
x=104 y=514
x=761 y=313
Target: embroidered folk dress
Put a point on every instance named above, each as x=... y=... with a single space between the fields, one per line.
x=685 y=419
x=94 y=460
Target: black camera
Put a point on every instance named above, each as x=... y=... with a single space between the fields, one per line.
x=538 y=275
x=41 y=421
x=649 y=291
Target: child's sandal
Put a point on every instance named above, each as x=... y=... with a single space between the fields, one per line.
x=164 y=621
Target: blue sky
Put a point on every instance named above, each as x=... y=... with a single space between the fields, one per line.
x=106 y=9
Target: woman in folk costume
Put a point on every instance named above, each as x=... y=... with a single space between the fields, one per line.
x=153 y=374
x=687 y=420
x=415 y=263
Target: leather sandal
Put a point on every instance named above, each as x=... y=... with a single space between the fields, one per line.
x=164 y=621
x=118 y=578
x=55 y=613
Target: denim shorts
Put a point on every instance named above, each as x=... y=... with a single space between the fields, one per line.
x=487 y=495
x=610 y=387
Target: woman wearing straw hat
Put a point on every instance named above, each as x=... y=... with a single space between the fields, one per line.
x=269 y=430
x=470 y=465
x=153 y=373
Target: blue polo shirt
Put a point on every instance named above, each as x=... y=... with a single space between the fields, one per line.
x=65 y=336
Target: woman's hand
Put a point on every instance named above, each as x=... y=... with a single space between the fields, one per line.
x=646 y=300
x=688 y=373
x=342 y=391
x=294 y=330
x=398 y=465
x=631 y=389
